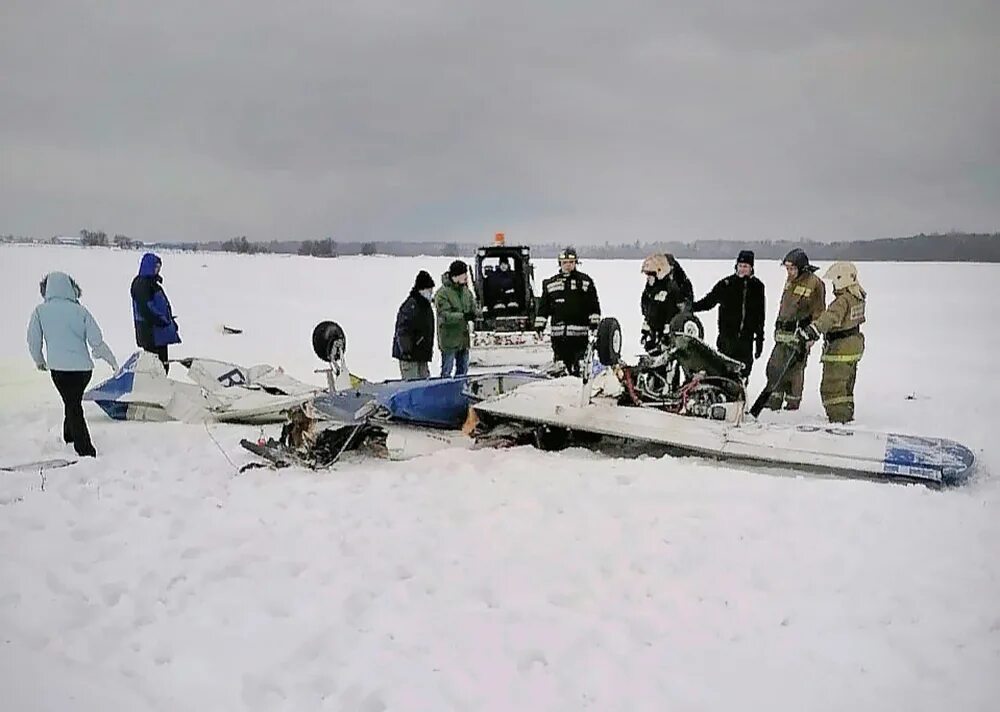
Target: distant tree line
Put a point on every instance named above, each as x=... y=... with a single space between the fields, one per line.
x=925 y=247
x=318 y=248
x=935 y=247
x=242 y=246
x=92 y=238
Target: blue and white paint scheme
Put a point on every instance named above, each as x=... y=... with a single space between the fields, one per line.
x=809 y=448
x=221 y=392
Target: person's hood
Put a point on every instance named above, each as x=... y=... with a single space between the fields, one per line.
x=147 y=266
x=447 y=281
x=59 y=285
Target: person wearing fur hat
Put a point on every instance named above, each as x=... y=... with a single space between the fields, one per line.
x=740 y=298
x=65 y=328
x=667 y=293
x=456 y=307
x=843 y=342
x=802 y=300
x=413 y=337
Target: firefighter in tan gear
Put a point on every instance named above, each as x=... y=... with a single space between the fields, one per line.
x=843 y=342
x=802 y=300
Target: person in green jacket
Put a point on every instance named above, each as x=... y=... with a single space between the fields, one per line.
x=455 y=307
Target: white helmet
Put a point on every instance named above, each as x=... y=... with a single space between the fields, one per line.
x=842 y=274
x=657 y=265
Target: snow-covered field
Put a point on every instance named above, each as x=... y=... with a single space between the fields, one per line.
x=156 y=578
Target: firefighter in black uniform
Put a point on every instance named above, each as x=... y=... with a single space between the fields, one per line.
x=570 y=299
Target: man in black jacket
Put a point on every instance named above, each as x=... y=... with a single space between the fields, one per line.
x=570 y=298
x=413 y=338
x=740 y=298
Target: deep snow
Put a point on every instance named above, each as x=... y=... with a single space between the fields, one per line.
x=156 y=578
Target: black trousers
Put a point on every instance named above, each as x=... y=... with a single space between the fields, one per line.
x=739 y=349
x=71 y=385
x=160 y=351
x=570 y=350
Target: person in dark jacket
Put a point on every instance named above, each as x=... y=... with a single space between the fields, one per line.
x=155 y=326
x=667 y=293
x=740 y=298
x=504 y=290
x=65 y=328
x=570 y=298
x=413 y=339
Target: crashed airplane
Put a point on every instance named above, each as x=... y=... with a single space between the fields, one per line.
x=687 y=399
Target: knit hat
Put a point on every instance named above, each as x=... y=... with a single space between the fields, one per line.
x=457 y=267
x=745 y=257
x=423 y=281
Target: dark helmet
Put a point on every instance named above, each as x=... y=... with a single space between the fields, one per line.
x=568 y=253
x=800 y=259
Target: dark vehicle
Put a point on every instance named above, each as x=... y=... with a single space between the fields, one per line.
x=504 y=283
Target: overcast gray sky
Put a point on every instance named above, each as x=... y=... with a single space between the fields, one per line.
x=553 y=121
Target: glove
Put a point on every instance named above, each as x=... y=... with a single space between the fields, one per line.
x=758 y=349
x=41 y=367
x=595 y=321
x=807 y=333
x=114 y=365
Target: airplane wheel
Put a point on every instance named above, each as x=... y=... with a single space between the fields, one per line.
x=688 y=324
x=609 y=341
x=328 y=339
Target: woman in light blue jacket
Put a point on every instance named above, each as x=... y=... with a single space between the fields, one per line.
x=66 y=328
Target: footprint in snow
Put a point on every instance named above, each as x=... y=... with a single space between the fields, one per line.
x=111 y=593
x=84 y=535
x=57 y=586
x=10 y=599
x=260 y=693
x=311 y=649
x=277 y=609
x=531 y=659
x=295 y=568
x=352 y=700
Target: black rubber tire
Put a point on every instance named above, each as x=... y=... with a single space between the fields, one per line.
x=687 y=323
x=551 y=439
x=324 y=336
x=609 y=341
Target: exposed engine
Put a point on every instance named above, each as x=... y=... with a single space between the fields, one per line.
x=688 y=377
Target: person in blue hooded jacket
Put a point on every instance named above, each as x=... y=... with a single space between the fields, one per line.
x=155 y=326
x=65 y=327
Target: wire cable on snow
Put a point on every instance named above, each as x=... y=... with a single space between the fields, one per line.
x=224 y=453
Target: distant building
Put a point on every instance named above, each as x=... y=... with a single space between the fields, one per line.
x=67 y=240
